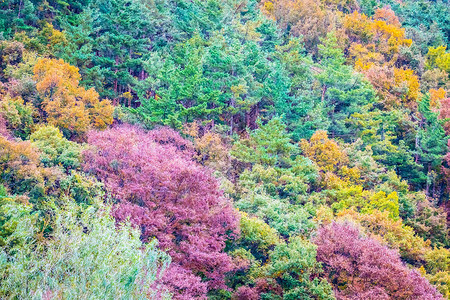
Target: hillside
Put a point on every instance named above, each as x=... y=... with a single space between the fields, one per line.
x=235 y=149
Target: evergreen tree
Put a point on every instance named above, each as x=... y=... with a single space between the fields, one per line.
x=120 y=45
x=343 y=92
x=431 y=142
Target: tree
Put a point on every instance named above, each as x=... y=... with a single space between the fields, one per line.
x=4 y=132
x=437 y=269
x=394 y=233
x=439 y=58
x=325 y=152
x=120 y=46
x=424 y=17
x=305 y=18
x=17 y=115
x=87 y=256
x=222 y=79
x=45 y=179
x=295 y=83
x=55 y=149
x=429 y=220
x=431 y=142
x=382 y=34
x=293 y=265
x=275 y=178
x=17 y=16
x=395 y=87
x=65 y=104
x=168 y=196
x=269 y=145
x=20 y=169
x=343 y=91
x=360 y=267
x=180 y=94
x=257 y=236
x=270 y=267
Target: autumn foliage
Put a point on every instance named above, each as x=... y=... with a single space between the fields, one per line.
x=225 y=150
x=65 y=104
x=361 y=268
x=168 y=196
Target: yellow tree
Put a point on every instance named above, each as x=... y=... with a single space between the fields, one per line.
x=325 y=152
x=439 y=58
x=436 y=97
x=375 y=40
x=65 y=104
x=374 y=50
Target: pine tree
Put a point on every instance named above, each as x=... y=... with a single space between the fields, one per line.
x=431 y=142
x=343 y=91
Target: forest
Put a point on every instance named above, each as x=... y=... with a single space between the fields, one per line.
x=225 y=149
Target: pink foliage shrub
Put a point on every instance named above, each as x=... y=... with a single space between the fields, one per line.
x=183 y=284
x=167 y=136
x=362 y=268
x=247 y=293
x=3 y=130
x=170 y=197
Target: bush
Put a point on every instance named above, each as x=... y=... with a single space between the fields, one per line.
x=361 y=268
x=87 y=257
x=167 y=195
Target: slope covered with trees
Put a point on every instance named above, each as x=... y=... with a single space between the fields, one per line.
x=237 y=149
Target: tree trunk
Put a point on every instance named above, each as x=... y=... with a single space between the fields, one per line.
x=427 y=188
x=20 y=7
x=115 y=92
x=232 y=116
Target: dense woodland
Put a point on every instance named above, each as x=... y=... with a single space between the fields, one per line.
x=224 y=149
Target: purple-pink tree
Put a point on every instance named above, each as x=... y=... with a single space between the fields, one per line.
x=361 y=268
x=171 y=198
x=3 y=129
